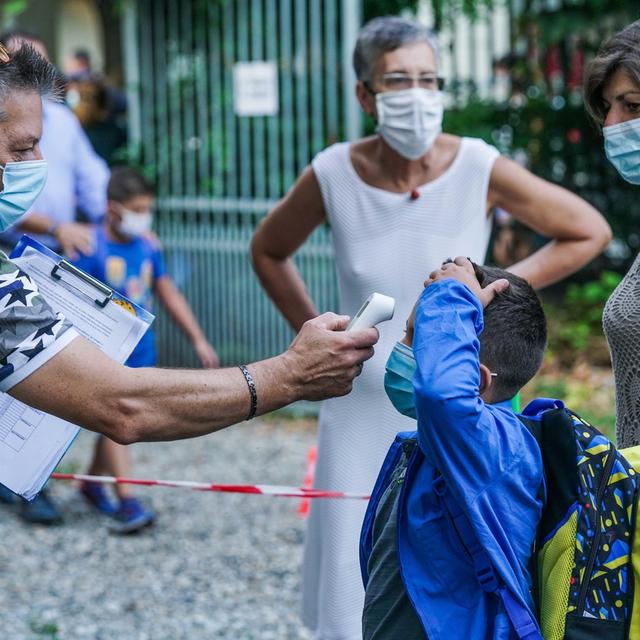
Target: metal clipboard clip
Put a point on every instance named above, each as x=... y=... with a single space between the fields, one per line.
x=63 y=265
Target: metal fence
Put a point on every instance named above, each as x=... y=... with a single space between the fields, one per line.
x=218 y=173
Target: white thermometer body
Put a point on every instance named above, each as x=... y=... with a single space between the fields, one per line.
x=376 y=308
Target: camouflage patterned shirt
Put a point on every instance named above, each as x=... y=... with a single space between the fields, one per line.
x=31 y=332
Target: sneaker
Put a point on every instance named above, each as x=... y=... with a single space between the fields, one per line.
x=6 y=495
x=40 y=510
x=95 y=494
x=131 y=516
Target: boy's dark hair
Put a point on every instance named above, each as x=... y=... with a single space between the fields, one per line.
x=127 y=183
x=514 y=338
x=26 y=70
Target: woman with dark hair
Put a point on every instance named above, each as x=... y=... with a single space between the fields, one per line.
x=398 y=203
x=612 y=98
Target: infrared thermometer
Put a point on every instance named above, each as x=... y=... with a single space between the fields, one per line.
x=376 y=308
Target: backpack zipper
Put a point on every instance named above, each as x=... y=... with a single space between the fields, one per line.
x=606 y=472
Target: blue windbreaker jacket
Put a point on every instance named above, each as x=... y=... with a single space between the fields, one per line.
x=490 y=463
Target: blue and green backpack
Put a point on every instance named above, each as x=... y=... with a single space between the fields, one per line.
x=586 y=553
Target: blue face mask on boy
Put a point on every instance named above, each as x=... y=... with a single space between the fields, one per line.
x=622 y=146
x=398 y=379
x=23 y=182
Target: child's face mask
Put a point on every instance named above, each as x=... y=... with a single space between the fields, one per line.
x=398 y=379
x=133 y=224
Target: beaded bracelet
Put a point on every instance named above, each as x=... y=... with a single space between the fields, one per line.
x=251 y=383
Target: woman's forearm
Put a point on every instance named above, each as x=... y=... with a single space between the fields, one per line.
x=278 y=237
x=556 y=260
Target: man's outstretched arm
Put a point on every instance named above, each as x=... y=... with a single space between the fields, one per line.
x=84 y=386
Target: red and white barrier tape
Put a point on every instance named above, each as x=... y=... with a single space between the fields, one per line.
x=257 y=489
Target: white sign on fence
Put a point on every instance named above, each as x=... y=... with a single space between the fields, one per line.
x=255 y=88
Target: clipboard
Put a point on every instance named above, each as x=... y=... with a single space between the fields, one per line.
x=85 y=300
x=32 y=442
x=66 y=267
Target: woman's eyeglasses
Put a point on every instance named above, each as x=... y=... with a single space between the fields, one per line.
x=401 y=81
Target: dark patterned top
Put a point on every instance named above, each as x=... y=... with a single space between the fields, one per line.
x=30 y=331
x=621 y=321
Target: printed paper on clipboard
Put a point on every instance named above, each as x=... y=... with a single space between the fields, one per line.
x=111 y=321
x=32 y=442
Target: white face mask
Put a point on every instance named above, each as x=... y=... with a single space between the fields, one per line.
x=134 y=225
x=410 y=120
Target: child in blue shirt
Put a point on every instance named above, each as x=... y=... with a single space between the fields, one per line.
x=128 y=258
x=479 y=336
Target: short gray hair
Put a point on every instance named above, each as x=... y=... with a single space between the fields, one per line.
x=25 y=70
x=387 y=34
x=621 y=51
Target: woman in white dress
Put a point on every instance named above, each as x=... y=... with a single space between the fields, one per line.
x=398 y=203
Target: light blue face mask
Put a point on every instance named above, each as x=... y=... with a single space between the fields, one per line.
x=23 y=182
x=398 y=379
x=622 y=146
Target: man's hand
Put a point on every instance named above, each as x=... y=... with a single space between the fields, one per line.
x=74 y=237
x=325 y=359
x=461 y=270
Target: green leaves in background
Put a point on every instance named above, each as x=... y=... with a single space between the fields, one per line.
x=11 y=9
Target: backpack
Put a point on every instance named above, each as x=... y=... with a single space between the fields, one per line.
x=583 y=561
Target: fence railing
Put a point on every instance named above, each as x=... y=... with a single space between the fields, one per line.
x=208 y=258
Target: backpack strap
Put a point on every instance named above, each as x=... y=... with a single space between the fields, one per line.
x=524 y=623
x=540 y=405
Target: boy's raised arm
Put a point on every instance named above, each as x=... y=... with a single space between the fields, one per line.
x=456 y=430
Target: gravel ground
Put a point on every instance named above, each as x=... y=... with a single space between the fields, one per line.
x=213 y=566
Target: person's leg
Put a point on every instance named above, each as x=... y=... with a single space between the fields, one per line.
x=112 y=459
x=94 y=492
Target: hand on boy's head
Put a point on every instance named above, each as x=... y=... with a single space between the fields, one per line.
x=461 y=269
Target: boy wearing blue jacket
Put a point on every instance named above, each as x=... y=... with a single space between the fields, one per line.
x=450 y=527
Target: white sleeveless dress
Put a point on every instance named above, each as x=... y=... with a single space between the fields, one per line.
x=389 y=243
